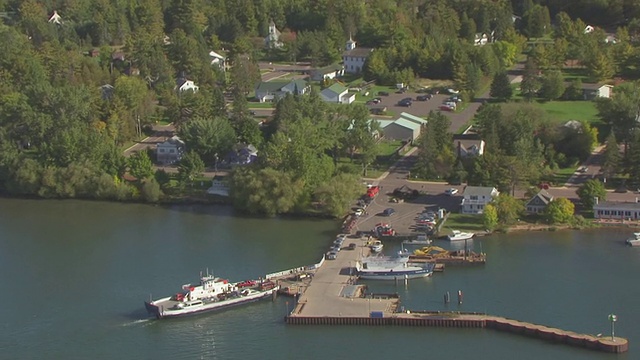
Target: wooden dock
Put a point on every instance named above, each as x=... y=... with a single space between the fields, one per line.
x=331 y=296
x=472 y=320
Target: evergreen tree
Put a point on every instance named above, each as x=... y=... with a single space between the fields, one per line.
x=611 y=157
x=501 y=87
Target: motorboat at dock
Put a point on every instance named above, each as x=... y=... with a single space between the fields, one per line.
x=458 y=235
x=396 y=268
x=213 y=293
x=635 y=240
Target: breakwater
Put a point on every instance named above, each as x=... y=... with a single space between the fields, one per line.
x=472 y=320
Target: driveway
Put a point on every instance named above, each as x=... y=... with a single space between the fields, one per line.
x=160 y=134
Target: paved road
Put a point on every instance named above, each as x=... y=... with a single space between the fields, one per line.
x=160 y=134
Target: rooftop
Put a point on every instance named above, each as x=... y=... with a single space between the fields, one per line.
x=479 y=190
x=618 y=205
x=406 y=124
x=358 y=52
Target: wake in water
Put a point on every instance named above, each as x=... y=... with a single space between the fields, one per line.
x=137 y=322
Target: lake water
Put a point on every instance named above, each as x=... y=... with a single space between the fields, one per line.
x=74 y=276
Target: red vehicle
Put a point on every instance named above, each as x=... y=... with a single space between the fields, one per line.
x=373 y=191
x=247 y=283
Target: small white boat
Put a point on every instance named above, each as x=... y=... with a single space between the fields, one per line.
x=376 y=246
x=458 y=235
x=635 y=240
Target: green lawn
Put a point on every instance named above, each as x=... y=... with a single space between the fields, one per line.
x=562 y=111
x=561 y=176
x=465 y=222
x=259 y=105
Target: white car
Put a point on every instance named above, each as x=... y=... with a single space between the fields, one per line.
x=451 y=191
x=359 y=212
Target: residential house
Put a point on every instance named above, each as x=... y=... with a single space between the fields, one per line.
x=538 y=203
x=55 y=18
x=327 y=72
x=415 y=119
x=186 y=85
x=272 y=41
x=217 y=60
x=617 y=210
x=354 y=58
x=241 y=154
x=480 y=39
x=588 y=29
x=475 y=198
x=468 y=145
x=592 y=91
x=337 y=94
x=170 y=151
x=219 y=186
x=274 y=90
x=106 y=91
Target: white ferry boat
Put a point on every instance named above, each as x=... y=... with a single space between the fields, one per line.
x=391 y=269
x=213 y=293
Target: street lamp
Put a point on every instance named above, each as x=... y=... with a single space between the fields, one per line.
x=613 y=318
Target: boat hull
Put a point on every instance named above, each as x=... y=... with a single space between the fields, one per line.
x=395 y=275
x=157 y=308
x=460 y=238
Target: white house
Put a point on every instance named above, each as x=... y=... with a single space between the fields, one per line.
x=327 y=72
x=273 y=38
x=55 y=18
x=274 y=90
x=480 y=39
x=186 y=85
x=592 y=91
x=617 y=210
x=337 y=94
x=219 y=186
x=217 y=59
x=475 y=198
x=354 y=58
x=170 y=151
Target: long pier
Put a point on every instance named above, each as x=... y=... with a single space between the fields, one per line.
x=331 y=296
x=472 y=320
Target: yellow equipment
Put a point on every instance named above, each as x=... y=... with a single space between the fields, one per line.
x=429 y=251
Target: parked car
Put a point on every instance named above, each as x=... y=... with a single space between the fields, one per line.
x=331 y=255
x=404 y=103
x=583 y=169
x=452 y=91
x=446 y=107
x=359 y=212
x=383 y=93
x=388 y=212
x=422 y=97
x=351 y=246
x=451 y=191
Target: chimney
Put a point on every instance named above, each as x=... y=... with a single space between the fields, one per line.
x=595 y=200
x=637 y=199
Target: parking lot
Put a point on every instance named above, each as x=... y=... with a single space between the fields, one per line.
x=422 y=108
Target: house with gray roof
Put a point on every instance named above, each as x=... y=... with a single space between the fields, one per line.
x=619 y=210
x=475 y=198
x=538 y=203
x=415 y=119
x=592 y=91
x=274 y=90
x=170 y=151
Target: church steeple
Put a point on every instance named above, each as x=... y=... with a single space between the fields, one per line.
x=350 y=44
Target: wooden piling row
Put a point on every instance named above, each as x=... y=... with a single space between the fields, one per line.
x=428 y=319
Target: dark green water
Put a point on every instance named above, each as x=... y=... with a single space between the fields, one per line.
x=73 y=276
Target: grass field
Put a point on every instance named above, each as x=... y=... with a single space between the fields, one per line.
x=562 y=111
x=466 y=222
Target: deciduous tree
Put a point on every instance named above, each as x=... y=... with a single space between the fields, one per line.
x=591 y=190
x=559 y=211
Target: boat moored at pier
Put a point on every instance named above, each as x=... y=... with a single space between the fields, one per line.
x=213 y=293
x=634 y=240
x=458 y=235
x=397 y=268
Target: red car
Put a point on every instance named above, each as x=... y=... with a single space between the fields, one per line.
x=247 y=283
